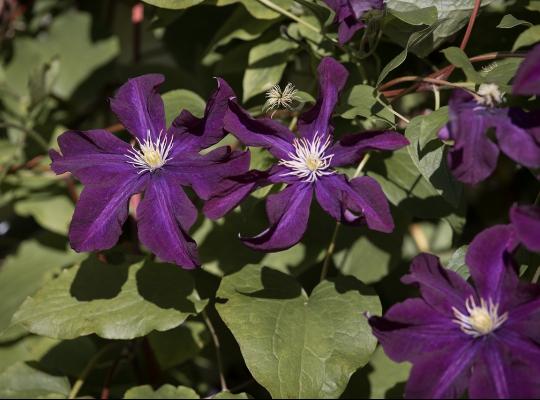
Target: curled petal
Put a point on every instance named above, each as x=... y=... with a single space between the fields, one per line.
x=351 y=148
x=165 y=215
x=527 y=81
x=316 y=121
x=288 y=213
x=92 y=156
x=263 y=132
x=442 y=289
x=139 y=107
x=101 y=211
x=526 y=222
x=195 y=133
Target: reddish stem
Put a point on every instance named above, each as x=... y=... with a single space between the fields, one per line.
x=472 y=20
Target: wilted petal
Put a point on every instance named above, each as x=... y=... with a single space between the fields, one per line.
x=351 y=148
x=192 y=133
x=443 y=374
x=527 y=81
x=488 y=259
x=92 y=156
x=263 y=132
x=165 y=215
x=288 y=214
x=139 y=107
x=526 y=222
x=441 y=288
x=101 y=211
x=332 y=78
x=412 y=329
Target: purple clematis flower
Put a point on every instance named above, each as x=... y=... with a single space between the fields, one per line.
x=483 y=338
x=307 y=164
x=526 y=222
x=473 y=156
x=348 y=14
x=163 y=160
x=527 y=81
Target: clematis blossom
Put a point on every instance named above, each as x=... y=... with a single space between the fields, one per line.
x=527 y=80
x=158 y=165
x=307 y=165
x=349 y=14
x=482 y=338
x=473 y=156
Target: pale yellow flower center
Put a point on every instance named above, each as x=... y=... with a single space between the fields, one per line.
x=481 y=319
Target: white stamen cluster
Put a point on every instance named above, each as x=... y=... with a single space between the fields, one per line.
x=482 y=319
x=490 y=95
x=151 y=155
x=277 y=99
x=309 y=160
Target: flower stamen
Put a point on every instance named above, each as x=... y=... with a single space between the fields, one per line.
x=489 y=95
x=151 y=155
x=309 y=160
x=277 y=99
x=482 y=319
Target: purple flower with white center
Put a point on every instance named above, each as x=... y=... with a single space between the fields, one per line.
x=349 y=14
x=483 y=338
x=307 y=164
x=473 y=156
x=159 y=165
x=527 y=80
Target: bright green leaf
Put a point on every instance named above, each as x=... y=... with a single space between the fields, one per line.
x=458 y=57
x=24 y=382
x=181 y=99
x=294 y=345
x=362 y=100
x=121 y=301
x=457 y=262
x=51 y=212
x=174 y=4
x=527 y=38
x=509 y=21
x=387 y=376
x=164 y=392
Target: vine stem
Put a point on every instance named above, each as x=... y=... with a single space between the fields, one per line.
x=331 y=247
x=89 y=367
x=273 y=6
x=217 y=345
x=470 y=25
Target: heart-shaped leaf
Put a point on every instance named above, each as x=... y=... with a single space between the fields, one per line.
x=294 y=345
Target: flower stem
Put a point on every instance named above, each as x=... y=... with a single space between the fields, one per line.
x=273 y=6
x=215 y=339
x=332 y=245
x=89 y=367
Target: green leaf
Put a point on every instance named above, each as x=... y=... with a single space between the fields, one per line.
x=51 y=212
x=256 y=8
x=174 y=4
x=178 y=345
x=24 y=382
x=164 y=392
x=25 y=272
x=8 y=151
x=509 y=21
x=527 y=38
x=362 y=100
x=181 y=99
x=428 y=154
x=294 y=345
x=457 y=262
x=266 y=64
x=387 y=379
x=457 y=57
x=501 y=72
x=423 y=16
x=28 y=348
x=121 y=301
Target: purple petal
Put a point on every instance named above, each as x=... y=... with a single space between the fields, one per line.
x=139 y=107
x=359 y=7
x=165 y=215
x=195 y=133
x=527 y=81
x=351 y=148
x=441 y=288
x=488 y=259
x=525 y=318
x=358 y=201
x=101 y=211
x=348 y=27
x=288 y=213
x=442 y=374
x=473 y=156
x=92 y=156
x=263 y=132
x=526 y=222
x=332 y=78
x=506 y=370
x=513 y=137
x=204 y=172
x=412 y=329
